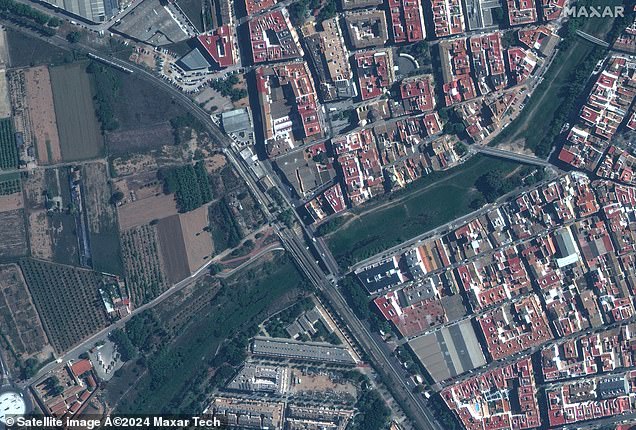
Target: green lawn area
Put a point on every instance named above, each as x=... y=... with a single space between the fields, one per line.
x=426 y=204
x=548 y=97
x=175 y=367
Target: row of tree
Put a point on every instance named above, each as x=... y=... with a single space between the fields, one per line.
x=107 y=85
x=190 y=185
x=30 y=17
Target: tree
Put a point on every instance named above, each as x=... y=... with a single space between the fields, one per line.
x=355 y=297
x=30 y=368
x=320 y=158
x=498 y=15
x=117 y=197
x=54 y=22
x=328 y=11
x=460 y=149
x=74 y=36
x=125 y=347
x=298 y=11
x=478 y=202
x=490 y=185
x=374 y=414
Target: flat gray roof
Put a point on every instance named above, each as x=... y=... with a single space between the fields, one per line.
x=314 y=351
x=194 y=60
x=450 y=351
x=236 y=120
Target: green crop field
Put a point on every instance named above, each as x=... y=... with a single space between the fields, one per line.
x=8 y=148
x=428 y=203
x=79 y=130
x=67 y=300
x=9 y=183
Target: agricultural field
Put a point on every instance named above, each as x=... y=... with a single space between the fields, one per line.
x=198 y=241
x=218 y=313
x=145 y=275
x=26 y=51
x=132 y=164
x=143 y=105
x=8 y=148
x=102 y=220
x=9 y=184
x=39 y=121
x=67 y=300
x=79 y=130
x=5 y=99
x=20 y=324
x=52 y=229
x=144 y=200
x=13 y=234
x=11 y=202
x=409 y=214
x=139 y=139
x=173 y=249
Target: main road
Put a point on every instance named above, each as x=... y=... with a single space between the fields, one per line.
x=413 y=404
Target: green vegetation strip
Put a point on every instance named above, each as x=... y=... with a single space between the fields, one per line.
x=8 y=148
x=29 y=17
x=556 y=97
x=107 y=84
x=422 y=206
x=179 y=369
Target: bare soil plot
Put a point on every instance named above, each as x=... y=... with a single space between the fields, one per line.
x=145 y=274
x=42 y=114
x=198 y=242
x=5 y=102
x=140 y=139
x=11 y=202
x=102 y=220
x=173 y=249
x=80 y=134
x=146 y=210
x=40 y=239
x=4 y=49
x=20 y=323
x=13 y=234
x=67 y=300
x=40 y=234
x=135 y=163
x=144 y=200
x=215 y=162
x=320 y=383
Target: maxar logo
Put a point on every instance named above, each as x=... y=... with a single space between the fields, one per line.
x=594 y=11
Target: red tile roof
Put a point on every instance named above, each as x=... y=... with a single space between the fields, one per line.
x=218 y=45
x=80 y=367
x=407 y=20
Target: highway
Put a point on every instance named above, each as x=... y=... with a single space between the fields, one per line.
x=413 y=404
